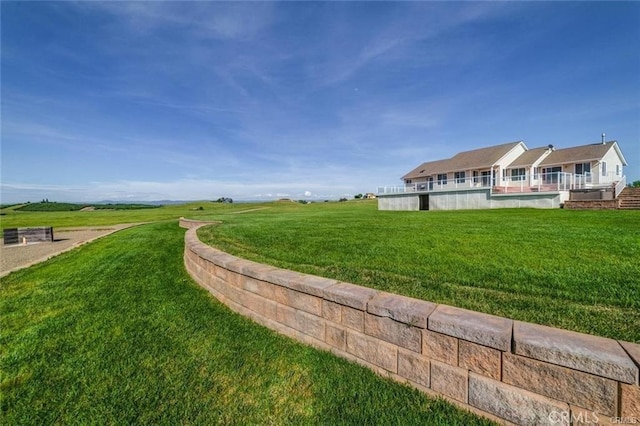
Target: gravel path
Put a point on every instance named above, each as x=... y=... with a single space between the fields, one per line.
x=15 y=257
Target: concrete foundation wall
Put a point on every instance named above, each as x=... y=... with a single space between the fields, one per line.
x=473 y=199
x=406 y=202
x=509 y=371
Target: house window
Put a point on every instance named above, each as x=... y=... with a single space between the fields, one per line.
x=551 y=174
x=583 y=168
x=517 y=174
x=407 y=181
x=486 y=178
x=475 y=176
x=442 y=179
x=459 y=176
x=604 y=168
x=617 y=169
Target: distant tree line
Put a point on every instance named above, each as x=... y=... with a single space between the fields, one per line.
x=224 y=200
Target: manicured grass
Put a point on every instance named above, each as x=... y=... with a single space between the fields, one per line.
x=115 y=332
x=13 y=218
x=578 y=270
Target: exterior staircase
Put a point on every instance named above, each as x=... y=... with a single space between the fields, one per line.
x=629 y=199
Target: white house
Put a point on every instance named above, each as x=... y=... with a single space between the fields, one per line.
x=509 y=175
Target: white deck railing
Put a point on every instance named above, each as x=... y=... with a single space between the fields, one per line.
x=620 y=186
x=538 y=182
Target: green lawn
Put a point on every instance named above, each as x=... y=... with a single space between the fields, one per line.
x=13 y=218
x=578 y=270
x=115 y=332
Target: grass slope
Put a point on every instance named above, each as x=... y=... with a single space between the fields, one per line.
x=14 y=218
x=115 y=332
x=578 y=270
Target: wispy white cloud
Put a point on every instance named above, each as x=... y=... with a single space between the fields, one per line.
x=185 y=189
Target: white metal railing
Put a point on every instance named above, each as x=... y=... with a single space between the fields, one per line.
x=537 y=182
x=581 y=181
x=620 y=186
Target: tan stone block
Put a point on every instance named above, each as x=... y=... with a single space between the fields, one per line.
x=414 y=367
x=484 y=329
x=372 y=350
x=351 y=295
x=335 y=336
x=449 y=380
x=332 y=311
x=236 y=265
x=561 y=383
x=260 y=305
x=301 y=301
x=257 y=271
x=282 y=277
x=440 y=347
x=401 y=308
x=633 y=349
x=480 y=359
x=261 y=288
x=304 y=322
x=394 y=332
x=630 y=401
x=591 y=354
x=514 y=404
x=353 y=318
x=235 y=279
x=311 y=284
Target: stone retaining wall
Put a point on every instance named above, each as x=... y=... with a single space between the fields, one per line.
x=591 y=204
x=507 y=370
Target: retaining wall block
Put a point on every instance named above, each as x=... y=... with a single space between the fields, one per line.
x=298 y=300
x=402 y=309
x=262 y=288
x=352 y=318
x=372 y=350
x=257 y=271
x=480 y=359
x=235 y=277
x=414 y=367
x=335 y=336
x=282 y=277
x=561 y=383
x=260 y=305
x=484 y=329
x=350 y=295
x=630 y=401
x=515 y=405
x=332 y=311
x=394 y=332
x=304 y=322
x=449 y=380
x=312 y=284
x=440 y=347
x=633 y=350
x=584 y=352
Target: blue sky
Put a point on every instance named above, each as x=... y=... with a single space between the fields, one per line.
x=198 y=100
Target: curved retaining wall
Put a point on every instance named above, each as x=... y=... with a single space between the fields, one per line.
x=507 y=370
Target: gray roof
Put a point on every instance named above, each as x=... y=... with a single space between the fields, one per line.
x=578 y=154
x=481 y=158
x=528 y=157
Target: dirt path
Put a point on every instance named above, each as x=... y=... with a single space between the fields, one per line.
x=15 y=257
